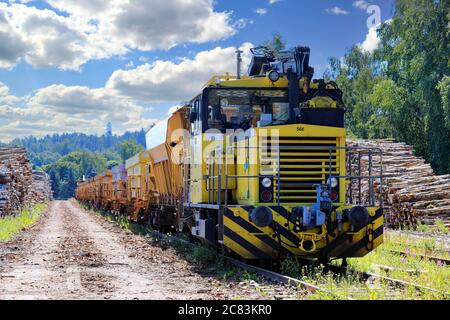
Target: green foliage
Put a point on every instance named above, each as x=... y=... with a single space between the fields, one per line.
x=128 y=148
x=49 y=149
x=10 y=226
x=441 y=227
x=291 y=267
x=65 y=172
x=201 y=255
x=444 y=89
x=415 y=46
x=401 y=90
x=277 y=42
x=423 y=228
x=70 y=156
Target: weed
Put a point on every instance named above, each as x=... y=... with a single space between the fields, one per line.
x=290 y=267
x=201 y=255
x=423 y=228
x=10 y=226
x=250 y=276
x=441 y=227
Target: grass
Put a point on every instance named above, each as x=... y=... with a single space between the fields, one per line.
x=441 y=227
x=10 y=226
x=412 y=269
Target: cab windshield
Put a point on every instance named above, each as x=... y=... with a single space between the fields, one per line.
x=246 y=108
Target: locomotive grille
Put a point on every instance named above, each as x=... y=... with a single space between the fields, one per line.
x=300 y=166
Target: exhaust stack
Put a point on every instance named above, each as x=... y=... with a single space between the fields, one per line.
x=239 y=60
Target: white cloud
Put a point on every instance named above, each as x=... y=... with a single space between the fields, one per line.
x=154 y=24
x=124 y=100
x=372 y=41
x=60 y=108
x=99 y=29
x=261 y=11
x=361 y=4
x=242 y=23
x=5 y=97
x=53 y=40
x=169 y=81
x=4 y=90
x=13 y=46
x=87 y=8
x=336 y=11
x=274 y=1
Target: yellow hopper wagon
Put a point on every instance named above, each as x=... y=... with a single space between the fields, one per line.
x=136 y=167
x=119 y=189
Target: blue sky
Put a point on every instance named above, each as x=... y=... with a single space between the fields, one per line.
x=74 y=65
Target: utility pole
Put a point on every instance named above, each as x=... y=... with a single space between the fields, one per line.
x=239 y=60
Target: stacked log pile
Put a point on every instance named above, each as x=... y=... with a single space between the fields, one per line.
x=40 y=191
x=412 y=193
x=16 y=177
x=16 y=181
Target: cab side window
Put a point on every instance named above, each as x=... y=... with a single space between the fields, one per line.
x=196 y=123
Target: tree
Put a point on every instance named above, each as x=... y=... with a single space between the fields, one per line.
x=129 y=148
x=277 y=42
x=109 y=129
x=65 y=173
x=395 y=115
x=356 y=77
x=401 y=90
x=444 y=89
x=415 y=47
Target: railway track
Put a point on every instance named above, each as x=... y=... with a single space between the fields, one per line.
x=275 y=276
x=365 y=276
x=442 y=238
x=442 y=260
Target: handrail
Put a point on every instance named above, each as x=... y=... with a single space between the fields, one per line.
x=361 y=152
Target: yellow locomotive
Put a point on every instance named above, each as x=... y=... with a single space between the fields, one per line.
x=258 y=165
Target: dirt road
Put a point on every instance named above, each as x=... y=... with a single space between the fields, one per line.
x=74 y=254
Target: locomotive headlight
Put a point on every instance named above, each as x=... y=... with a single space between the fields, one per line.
x=273 y=76
x=266 y=182
x=333 y=181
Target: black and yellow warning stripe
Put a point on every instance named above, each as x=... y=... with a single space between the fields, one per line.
x=255 y=240
x=252 y=242
x=276 y=240
x=357 y=243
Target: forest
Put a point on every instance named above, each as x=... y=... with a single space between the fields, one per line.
x=402 y=89
x=69 y=157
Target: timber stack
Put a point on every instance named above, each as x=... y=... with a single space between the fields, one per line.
x=412 y=194
x=41 y=191
x=16 y=182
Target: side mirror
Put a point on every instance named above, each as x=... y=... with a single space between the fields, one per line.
x=193 y=116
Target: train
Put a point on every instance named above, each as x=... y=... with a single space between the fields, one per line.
x=256 y=165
